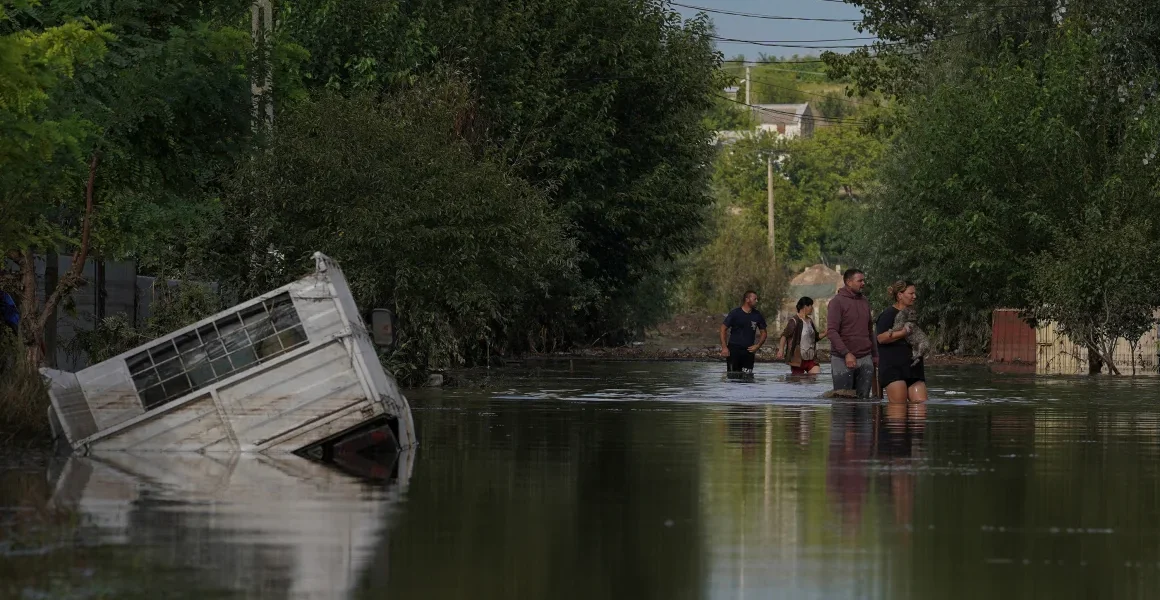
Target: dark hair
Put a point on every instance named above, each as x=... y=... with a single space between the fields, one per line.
x=805 y=301
x=896 y=288
x=850 y=273
x=746 y=295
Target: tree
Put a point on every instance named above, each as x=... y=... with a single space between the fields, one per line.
x=1099 y=287
x=820 y=185
x=422 y=220
x=600 y=104
x=833 y=173
x=999 y=153
x=40 y=150
x=163 y=116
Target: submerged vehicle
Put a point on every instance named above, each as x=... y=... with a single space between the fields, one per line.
x=294 y=370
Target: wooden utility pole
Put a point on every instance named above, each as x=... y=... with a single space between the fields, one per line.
x=769 y=191
x=748 y=86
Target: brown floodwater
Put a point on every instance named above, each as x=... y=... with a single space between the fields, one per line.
x=633 y=480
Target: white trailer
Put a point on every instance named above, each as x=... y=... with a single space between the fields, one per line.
x=293 y=370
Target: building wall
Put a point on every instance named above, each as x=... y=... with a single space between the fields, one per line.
x=792 y=130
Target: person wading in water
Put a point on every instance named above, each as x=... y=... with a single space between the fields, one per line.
x=853 y=353
x=739 y=335
x=801 y=336
x=903 y=379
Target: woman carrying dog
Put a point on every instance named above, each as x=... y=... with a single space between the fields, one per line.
x=802 y=337
x=901 y=380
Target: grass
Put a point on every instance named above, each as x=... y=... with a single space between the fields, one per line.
x=23 y=403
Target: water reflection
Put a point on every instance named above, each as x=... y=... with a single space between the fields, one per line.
x=859 y=433
x=193 y=525
x=639 y=481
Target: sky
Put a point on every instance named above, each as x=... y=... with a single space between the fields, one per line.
x=749 y=28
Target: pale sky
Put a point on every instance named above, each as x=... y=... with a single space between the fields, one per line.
x=749 y=28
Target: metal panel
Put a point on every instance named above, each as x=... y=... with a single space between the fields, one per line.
x=68 y=400
x=110 y=393
x=1012 y=339
x=190 y=428
x=120 y=289
x=296 y=439
x=316 y=307
x=275 y=401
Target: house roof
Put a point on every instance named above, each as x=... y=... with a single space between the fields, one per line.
x=782 y=113
x=819 y=291
x=818 y=274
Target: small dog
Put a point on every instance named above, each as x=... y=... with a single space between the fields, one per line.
x=919 y=342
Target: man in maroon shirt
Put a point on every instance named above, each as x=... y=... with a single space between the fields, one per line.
x=853 y=353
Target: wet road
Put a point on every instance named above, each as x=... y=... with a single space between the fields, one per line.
x=635 y=480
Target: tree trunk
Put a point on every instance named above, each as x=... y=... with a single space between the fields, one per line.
x=34 y=347
x=1095 y=361
x=34 y=317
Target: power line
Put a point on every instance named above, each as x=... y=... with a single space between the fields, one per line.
x=776 y=44
x=958 y=4
x=879 y=44
x=852 y=39
x=760 y=16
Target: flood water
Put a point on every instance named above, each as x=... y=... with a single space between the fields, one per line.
x=634 y=480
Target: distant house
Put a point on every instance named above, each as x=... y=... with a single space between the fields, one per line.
x=788 y=120
x=783 y=120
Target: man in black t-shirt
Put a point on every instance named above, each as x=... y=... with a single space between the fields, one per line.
x=739 y=335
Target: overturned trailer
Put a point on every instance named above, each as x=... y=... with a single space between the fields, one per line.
x=294 y=370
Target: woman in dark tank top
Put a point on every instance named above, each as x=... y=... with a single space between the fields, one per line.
x=902 y=381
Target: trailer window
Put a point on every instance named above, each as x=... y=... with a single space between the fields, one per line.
x=178 y=365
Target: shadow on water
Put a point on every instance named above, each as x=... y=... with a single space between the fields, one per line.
x=631 y=480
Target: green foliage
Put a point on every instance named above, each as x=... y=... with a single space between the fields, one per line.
x=37 y=144
x=171 y=106
x=456 y=244
x=727 y=115
x=1005 y=149
x=820 y=185
x=599 y=103
x=736 y=259
x=151 y=127
x=562 y=178
x=356 y=44
x=1099 y=285
x=777 y=81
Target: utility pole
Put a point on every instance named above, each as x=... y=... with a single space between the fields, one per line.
x=262 y=76
x=748 y=86
x=769 y=191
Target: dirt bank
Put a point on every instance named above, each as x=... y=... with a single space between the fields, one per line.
x=713 y=353
x=695 y=337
